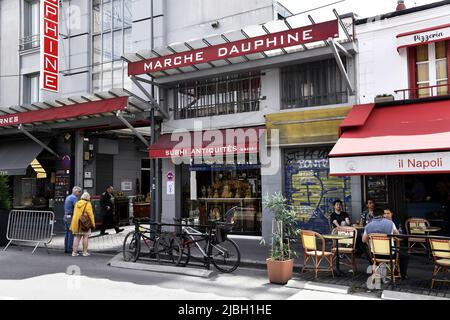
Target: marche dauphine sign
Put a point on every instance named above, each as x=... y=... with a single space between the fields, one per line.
x=278 y=40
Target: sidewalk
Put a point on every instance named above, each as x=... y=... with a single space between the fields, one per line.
x=254 y=255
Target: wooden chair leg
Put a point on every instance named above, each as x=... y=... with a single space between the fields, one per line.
x=331 y=265
x=316 y=265
x=305 y=260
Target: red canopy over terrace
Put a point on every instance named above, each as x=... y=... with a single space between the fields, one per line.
x=394 y=139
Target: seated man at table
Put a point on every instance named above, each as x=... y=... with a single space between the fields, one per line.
x=381 y=225
x=403 y=253
x=367 y=215
x=338 y=217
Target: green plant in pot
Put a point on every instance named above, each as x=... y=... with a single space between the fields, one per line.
x=281 y=263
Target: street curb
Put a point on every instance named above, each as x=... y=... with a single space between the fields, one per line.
x=309 y=285
x=117 y=262
x=396 y=295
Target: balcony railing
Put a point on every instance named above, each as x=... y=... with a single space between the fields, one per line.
x=425 y=92
x=29 y=42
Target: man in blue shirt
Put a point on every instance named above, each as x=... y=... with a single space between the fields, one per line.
x=69 y=206
x=381 y=225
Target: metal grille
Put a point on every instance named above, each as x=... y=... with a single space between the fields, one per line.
x=312 y=84
x=218 y=96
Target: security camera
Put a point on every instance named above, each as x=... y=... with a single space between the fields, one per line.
x=215 y=24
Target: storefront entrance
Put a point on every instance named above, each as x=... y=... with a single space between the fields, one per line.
x=420 y=196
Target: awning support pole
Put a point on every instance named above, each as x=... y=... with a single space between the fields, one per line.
x=135 y=132
x=333 y=47
x=149 y=96
x=39 y=142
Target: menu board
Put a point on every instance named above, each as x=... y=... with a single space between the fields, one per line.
x=62 y=185
x=377 y=188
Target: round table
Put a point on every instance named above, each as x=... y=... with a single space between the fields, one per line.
x=337 y=237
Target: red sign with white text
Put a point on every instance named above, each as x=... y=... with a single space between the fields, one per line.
x=65 y=112
x=49 y=45
x=283 y=39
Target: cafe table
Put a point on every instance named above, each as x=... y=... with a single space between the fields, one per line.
x=337 y=237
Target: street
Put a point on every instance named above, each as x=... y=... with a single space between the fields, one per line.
x=59 y=276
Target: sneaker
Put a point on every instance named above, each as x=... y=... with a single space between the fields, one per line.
x=75 y=254
x=119 y=230
x=86 y=254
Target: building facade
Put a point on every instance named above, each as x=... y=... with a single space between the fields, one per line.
x=400 y=121
x=93 y=150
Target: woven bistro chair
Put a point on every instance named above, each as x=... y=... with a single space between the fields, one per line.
x=413 y=226
x=440 y=248
x=380 y=251
x=316 y=253
x=347 y=247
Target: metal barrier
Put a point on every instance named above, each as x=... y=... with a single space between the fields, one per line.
x=30 y=226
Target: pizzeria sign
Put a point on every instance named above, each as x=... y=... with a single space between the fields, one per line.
x=278 y=40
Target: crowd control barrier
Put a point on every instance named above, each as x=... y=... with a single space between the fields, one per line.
x=30 y=226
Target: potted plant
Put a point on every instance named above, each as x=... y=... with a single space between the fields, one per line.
x=386 y=97
x=281 y=263
x=5 y=205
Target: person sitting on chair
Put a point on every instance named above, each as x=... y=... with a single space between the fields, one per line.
x=338 y=217
x=381 y=225
x=403 y=253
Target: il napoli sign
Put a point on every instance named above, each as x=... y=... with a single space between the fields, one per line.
x=283 y=39
x=429 y=162
x=49 y=79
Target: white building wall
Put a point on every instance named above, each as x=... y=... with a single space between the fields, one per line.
x=381 y=68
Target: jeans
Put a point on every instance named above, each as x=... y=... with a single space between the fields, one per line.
x=68 y=237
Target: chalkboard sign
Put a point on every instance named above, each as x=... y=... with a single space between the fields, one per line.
x=62 y=186
x=377 y=188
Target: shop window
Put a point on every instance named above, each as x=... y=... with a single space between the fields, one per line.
x=218 y=96
x=428 y=196
x=311 y=190
x=210 y=190
x=430 y=63
x=312 y=84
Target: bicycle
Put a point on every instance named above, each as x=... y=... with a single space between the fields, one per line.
x=218 y=249
x=160 y=245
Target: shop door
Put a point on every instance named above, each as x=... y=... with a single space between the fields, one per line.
x=104 y=173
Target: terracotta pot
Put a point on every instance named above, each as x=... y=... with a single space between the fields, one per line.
x=280 y=271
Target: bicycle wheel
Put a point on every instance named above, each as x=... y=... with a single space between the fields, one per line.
x=185 y=255
x=131 y=246
x=225 y=256
x=167 y=249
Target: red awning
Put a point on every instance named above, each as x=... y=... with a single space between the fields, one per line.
x=399 y=133
x=207 y=143
x=64 y=112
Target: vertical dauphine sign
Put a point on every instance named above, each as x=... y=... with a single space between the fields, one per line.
x=49 y=79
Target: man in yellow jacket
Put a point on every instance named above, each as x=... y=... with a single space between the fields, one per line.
x=83 y=206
